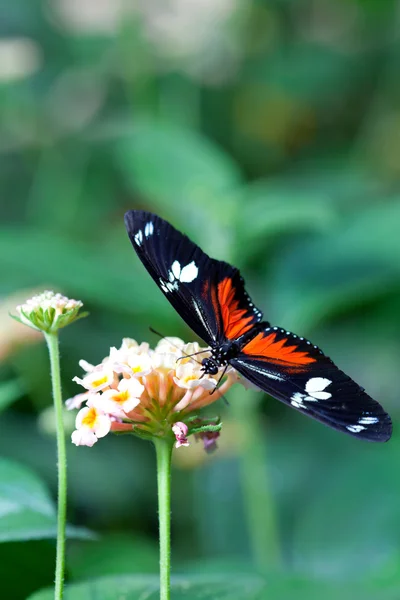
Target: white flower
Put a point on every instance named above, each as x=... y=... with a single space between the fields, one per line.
x=132 y=346
x=170 y=349
x=122 y=400
x=83 y=437
x=170 y=345
x=91 y=424
x=193 y=348
x=128 y=348
x=76 y=401
x=88 y=367
x=190 y=376
x=136 y=365
x=164 y=361
x=140 y=364
x=98 y=379
x=131 y=358
x=117 y=357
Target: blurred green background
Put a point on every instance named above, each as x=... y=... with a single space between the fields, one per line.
x=269 y=131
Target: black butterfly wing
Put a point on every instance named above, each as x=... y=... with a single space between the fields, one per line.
x=208 y=294
x=294 y=371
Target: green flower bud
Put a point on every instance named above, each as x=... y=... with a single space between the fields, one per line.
x=49 y=312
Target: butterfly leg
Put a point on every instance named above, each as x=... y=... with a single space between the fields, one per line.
x=219 y=380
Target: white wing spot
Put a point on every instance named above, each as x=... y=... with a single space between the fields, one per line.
x=138 y=237
x=185 y=275
x=189 y=273
x=149 y=229
x=368 y=420
x=297 y=401
x=315 y=388
x=313 y=399
x=168 y=286
x=317 y=384
x=355 y=428
x=175 y=270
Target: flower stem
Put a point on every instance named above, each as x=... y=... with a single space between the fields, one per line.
x=52 y=344
x=163 y=453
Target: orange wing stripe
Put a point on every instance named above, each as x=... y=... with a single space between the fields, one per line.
x=268 y=348
x=234 y=321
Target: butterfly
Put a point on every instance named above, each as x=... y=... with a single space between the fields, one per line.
x=210 y=296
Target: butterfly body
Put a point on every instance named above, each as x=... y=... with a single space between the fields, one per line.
x=210 y=296
x=223 y=354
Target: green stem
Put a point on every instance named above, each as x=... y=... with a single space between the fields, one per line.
x=163 y=453
x=52 y=344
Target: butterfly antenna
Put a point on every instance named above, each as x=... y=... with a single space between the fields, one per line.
x=163 y=337
x=160 y=335
x=194 y=354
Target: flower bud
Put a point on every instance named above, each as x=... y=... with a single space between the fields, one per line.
x=49 y=312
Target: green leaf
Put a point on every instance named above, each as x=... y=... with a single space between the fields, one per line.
x=87 y=491
x=354 y=263
x=309 y=72
x=111 y=555
x=229 y=586
x=216 y=587
x=10 y=391
x=270 y=209
x=34 y=559
x=334 y=537
x=171 y=165
x=59 y=259
x=26 y=509
x=175 y=167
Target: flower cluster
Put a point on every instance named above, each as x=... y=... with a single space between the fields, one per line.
x=49 y=312
x=149 y=393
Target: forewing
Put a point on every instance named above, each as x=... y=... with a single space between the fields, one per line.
x=294 y=371
x=208 y=294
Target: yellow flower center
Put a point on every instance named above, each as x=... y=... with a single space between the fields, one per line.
x=190 y=378
x=91 y=418
x=121 y=397
x=100 y=381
